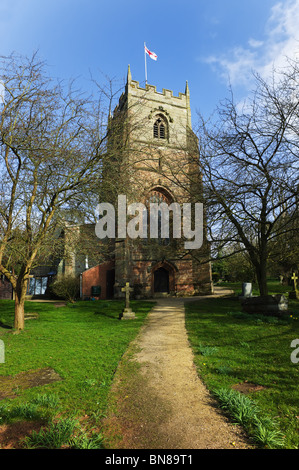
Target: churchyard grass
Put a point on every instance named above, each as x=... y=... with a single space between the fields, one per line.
x=233 y=348
x=82 y=342
x=273 y=285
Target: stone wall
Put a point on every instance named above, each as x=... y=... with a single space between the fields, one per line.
x=5 y=289
x=153 y=164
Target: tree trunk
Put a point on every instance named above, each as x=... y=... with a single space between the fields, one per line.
x=261 y=273
x=20 y=295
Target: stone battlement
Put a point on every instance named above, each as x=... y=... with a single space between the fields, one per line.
x=152 y=88
x=149 y=92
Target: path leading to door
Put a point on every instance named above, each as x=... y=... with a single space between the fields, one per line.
x=159 y=400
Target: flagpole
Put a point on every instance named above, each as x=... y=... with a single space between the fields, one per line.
x=145 y=66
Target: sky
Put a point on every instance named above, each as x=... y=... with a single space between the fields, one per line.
x=210 y=43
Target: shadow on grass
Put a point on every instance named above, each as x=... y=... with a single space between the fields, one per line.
x=106 y=314
x=5 y=326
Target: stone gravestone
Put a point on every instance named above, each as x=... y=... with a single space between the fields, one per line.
x=266 y=305
x=246 y=290
x=127 y=314
x=294 y=294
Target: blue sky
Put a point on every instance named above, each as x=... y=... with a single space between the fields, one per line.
x=207 y=42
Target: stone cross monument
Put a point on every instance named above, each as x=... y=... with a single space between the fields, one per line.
x=127 y=313
x=295 y=293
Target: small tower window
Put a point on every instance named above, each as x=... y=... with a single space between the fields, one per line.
x=160 y=129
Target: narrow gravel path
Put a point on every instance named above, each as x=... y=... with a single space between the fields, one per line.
x=163 y=404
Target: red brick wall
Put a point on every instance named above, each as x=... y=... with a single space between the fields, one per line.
x=96 y=276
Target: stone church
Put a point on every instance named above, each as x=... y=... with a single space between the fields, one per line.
x=152 y=156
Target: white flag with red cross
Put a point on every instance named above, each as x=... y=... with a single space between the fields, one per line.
x=150 y=53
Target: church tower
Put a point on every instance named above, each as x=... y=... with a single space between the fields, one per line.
x=153 y=156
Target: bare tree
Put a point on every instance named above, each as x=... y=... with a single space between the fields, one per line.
x=50 y=156
x=249 y=159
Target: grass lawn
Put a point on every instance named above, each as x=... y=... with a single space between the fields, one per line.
x=274 y=287
x=231 y=347
x=82 y=342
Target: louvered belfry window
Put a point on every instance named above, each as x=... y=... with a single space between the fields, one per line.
x=159 y=129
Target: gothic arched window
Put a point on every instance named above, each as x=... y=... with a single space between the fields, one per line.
x=160 y=128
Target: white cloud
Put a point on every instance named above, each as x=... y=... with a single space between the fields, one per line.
x=281 y=41
x=255 y=43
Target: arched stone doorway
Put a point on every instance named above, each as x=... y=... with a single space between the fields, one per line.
x=163 y=277
x=161 y=280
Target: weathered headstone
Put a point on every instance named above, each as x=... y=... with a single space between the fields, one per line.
x=266 y=305
x=246 y=289
x=294 y=294
x=127 y=313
